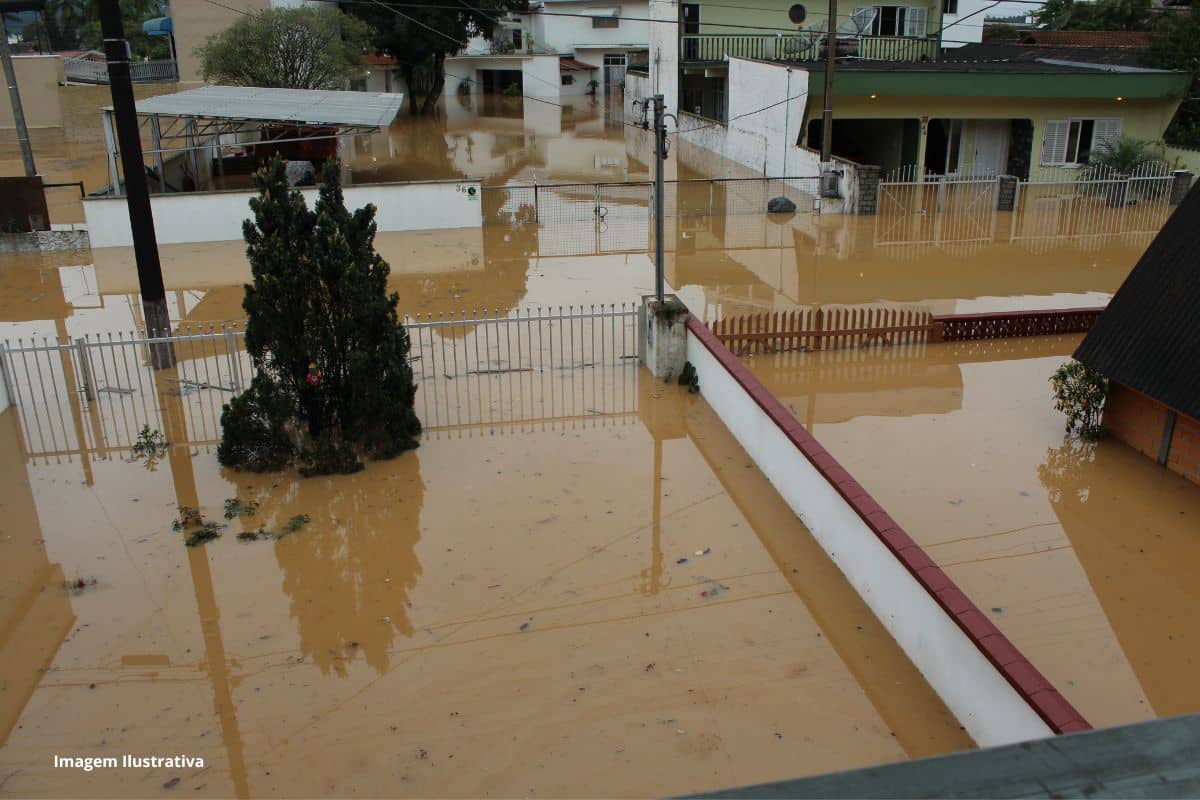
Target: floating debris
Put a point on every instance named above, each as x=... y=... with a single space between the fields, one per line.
x=704 y=552
x=79 y=585
x=235 y=507
x=149 y=444
x=188 y=518
x=205 y=533
x=294 y=524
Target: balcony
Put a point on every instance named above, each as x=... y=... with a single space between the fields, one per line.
x=807 y=46
x=86 y=70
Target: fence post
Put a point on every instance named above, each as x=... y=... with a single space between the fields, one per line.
x=7 y=394
x=1180 y=186
x=235 y=366
x=536 y=218
x=85 y=369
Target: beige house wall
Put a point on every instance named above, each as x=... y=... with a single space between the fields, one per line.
x=195 y=21
x=37 y=78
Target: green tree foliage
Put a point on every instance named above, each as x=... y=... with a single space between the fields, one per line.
x=1079 y=393
x=1176 y=45
x=1103 y=15
x=333 y=378
x=421 y=37
x=288 y=48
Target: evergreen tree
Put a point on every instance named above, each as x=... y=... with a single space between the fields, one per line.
x=333 y=378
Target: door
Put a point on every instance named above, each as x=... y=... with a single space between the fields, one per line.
x=991 y=146
x=614 y=71
x=689 y=15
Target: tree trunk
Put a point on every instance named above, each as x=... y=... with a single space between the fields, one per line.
x=439 y=83
x=408 y=85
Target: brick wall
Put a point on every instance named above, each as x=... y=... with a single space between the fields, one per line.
x=1139 y=421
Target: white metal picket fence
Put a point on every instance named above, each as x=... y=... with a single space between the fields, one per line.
x=474 y=370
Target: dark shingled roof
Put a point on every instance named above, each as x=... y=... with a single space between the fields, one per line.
x=1027 y=54
x=1149 y=336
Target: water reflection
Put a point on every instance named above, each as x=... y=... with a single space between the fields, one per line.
x=1133 y=526
x=350 y=569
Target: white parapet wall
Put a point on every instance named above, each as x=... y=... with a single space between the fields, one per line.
x=189 y=217
x=980 y=694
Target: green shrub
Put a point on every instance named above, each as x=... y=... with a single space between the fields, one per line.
x=1079 y=393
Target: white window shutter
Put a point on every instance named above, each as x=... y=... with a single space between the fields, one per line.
x=1054 y=141
x=865 y=12
x=1106 y=131
x=914 y=21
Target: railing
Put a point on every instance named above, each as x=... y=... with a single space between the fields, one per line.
x=85 y=70
x=822 y=329
x=91 y=396
x=527 y=365
x=626 y=205
x=808 y=46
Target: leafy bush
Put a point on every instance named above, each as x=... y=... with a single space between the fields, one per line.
x=1079 y=393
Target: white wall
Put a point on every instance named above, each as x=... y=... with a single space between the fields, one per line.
x=980 y=697
x=966 y=26
x=217 y=216
x=566 y=34
x=539 y=74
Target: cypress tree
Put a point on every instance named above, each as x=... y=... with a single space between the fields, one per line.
x=333 y=382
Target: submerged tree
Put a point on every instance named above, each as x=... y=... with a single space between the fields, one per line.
x=333 y=379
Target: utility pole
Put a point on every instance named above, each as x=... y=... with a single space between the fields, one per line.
x=137 y=191
x=660 y=154
x=830 y=60
x=14 y=95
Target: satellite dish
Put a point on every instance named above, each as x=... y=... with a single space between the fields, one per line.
x=797 y=14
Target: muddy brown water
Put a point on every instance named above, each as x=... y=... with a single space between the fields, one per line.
x=616 y=607
x=1079 y=553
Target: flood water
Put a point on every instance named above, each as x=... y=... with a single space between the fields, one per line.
x=613 y=606
x=1079 y=553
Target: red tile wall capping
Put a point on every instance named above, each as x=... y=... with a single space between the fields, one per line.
x=1030 y=684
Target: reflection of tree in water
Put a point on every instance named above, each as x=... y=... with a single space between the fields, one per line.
x=349 y=571
x=1063 y=471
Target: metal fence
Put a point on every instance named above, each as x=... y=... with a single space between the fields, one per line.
x=1102 y=204
x=629 y=203
x=85 y=70
x=91 y=396
x=940 y=208
x=476 y=369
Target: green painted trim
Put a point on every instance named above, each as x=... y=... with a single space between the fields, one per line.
x=914 y=83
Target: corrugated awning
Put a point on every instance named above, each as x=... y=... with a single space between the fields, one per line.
x=573 y=65
x=159 y=26
x=259 y=104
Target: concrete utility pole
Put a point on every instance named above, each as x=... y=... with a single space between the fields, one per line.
x=141 y=217
x=660 y=155
x=14 y=95
x=830 y=60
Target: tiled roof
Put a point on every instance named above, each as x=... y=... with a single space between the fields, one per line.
x=381 y=60
x=1029 y=53
x=571 y=64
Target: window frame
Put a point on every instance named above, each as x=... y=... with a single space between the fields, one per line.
x=596 y=23
x=1072 y=134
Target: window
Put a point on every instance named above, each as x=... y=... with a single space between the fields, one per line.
x=568 y=79
x=614 y=59
x=516 y=38
x=898 y=20
x=606 y=22
x=1070 y=142
x=949 y=6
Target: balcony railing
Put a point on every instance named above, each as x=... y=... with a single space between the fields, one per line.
x=809 y=46
x=85 y=70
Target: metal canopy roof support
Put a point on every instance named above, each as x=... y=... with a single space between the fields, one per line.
x=260 y=104
x=198 y=118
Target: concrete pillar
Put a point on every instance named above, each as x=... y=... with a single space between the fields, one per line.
x=1006 y=194
x=1181 y=186
x=665 y=336
x=868 y=189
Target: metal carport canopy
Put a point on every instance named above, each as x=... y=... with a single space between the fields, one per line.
x=261 y=104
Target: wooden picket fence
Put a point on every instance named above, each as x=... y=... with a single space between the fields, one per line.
x=823 y=329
